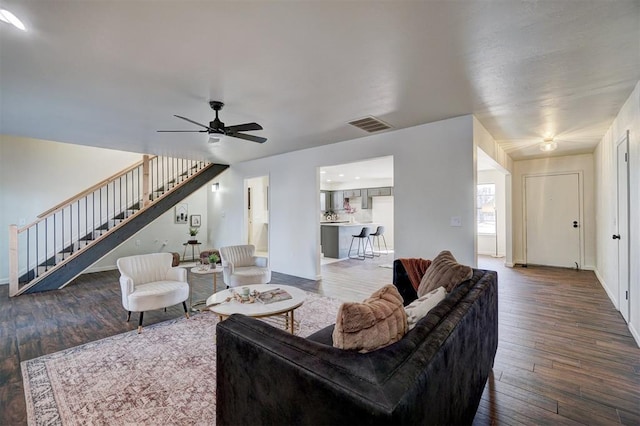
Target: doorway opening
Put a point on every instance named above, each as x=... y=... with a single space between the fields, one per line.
x=353 y=196
x=493 y=195
x=256 y=202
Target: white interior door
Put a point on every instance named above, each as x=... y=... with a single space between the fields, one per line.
x=622 y=222
x=552 y=217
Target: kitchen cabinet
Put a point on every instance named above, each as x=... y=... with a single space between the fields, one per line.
x=325 y=201
x=367 y=201
x=337 y=200
x=379 y=192
x=349 y=193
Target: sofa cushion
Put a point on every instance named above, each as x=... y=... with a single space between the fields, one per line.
x=420 y=307
x=444 y=271
x=377 y=322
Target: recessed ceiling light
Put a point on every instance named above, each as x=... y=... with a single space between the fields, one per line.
x=323 y=172
x=328 y=180
x=357 y=177
x=10 y=18
x=341 y=175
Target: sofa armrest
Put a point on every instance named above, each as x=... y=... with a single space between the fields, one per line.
x=261 y=261
x=402 y=283
x=177 y=274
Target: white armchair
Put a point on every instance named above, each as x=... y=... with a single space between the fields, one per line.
x=149 y=282
x=241 y=267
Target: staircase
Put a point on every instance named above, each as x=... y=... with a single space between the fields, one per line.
x=65 y=240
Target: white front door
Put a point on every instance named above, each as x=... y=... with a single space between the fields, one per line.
x=552 y=220
x=622 y=232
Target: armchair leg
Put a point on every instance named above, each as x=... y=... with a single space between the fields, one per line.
x=186 y=311
x=128 y=315
x=140 y=323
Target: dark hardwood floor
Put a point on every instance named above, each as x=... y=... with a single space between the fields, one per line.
x=565 y=355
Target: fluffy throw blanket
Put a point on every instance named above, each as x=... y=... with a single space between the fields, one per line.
x=415 y=268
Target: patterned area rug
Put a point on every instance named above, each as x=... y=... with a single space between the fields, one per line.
x=166 y=375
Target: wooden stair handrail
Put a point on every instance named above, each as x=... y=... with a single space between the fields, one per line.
x=93 y=188
x=14 y=288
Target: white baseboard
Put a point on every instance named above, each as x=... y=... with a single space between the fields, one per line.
x=99 y=269
x=635 y=334
x=606 y=289
x=509 y=264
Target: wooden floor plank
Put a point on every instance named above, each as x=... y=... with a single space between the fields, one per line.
x=565 y=355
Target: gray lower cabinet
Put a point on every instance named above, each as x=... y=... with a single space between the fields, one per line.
x=335 y=240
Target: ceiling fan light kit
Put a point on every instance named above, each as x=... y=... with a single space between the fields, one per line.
x=217 y=130
x=548 y=145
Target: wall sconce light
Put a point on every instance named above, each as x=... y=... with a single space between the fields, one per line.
x=215 y=187
x=548 y=145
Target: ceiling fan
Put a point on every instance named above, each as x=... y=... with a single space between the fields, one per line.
x=217 y=127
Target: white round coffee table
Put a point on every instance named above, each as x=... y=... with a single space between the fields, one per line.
x=219 y=305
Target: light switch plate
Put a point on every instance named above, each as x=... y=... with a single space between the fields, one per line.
x=456 y=221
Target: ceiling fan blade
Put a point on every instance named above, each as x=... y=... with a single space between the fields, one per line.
x=191 y=121
x=182 y=131
x=251 y=138
x=243 y=127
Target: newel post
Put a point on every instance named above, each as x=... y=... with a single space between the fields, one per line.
x=145 y=181
x=13 y=260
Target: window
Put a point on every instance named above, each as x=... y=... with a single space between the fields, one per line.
x=486 y=204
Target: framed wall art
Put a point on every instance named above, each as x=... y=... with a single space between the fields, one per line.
x=181 y=213
x=195 y=220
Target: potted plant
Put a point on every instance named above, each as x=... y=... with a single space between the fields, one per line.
x=213 y=260
x=193 y=232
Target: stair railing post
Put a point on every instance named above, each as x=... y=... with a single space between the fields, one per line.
x=13 y=260
x=145 y=181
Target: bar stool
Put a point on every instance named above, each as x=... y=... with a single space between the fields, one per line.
x=376 y=236
x=363 y=239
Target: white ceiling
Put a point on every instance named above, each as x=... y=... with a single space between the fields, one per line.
x=362 y=171
x=111 y=73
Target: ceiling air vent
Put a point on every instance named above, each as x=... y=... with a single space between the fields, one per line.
x=370 y=124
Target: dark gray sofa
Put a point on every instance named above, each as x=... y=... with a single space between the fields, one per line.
x=434 y=375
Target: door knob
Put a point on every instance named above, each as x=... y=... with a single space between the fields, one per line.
x=616 y=237
x=575 y=223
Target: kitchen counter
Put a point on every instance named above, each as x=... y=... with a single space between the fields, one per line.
x=335 y=237
x=361 y=224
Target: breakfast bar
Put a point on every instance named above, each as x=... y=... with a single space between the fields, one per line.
x=335 y=237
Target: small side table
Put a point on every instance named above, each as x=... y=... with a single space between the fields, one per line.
x=197 y=270
x=194 y=245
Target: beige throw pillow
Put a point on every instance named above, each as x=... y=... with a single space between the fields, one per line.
x=377 y=322
x=444 y=271
x=420 y=307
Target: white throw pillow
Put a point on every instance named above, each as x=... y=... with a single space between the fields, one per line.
x=420 y=307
